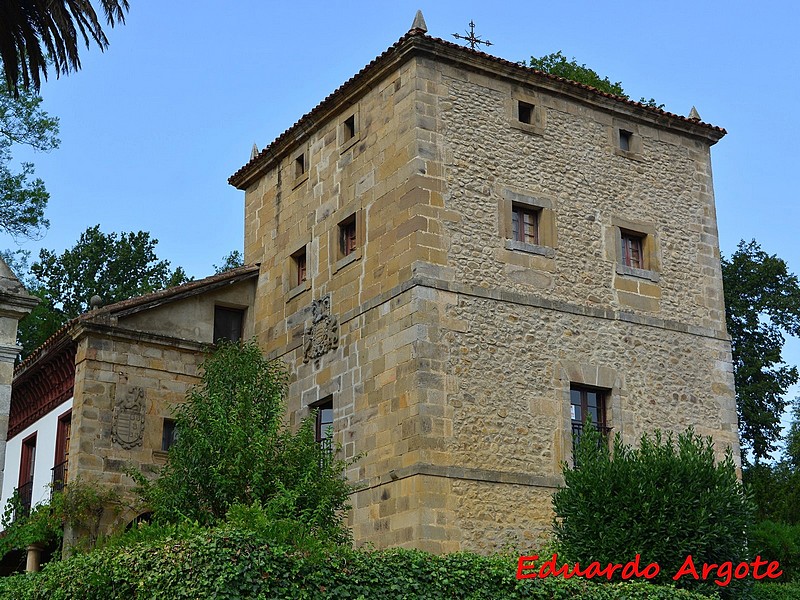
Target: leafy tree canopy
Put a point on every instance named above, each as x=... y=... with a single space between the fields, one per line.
x=776 y=485
x=557 y=64
x=22 y=197
x=762 y=301
x=37 y=33
x=231 y=261
x=233 y=448
x=113 y=266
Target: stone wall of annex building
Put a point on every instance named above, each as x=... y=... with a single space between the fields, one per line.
x=570 y=164
x=125 y=385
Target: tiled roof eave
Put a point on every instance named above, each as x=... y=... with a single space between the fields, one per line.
x=415 y=42
x=55 y=342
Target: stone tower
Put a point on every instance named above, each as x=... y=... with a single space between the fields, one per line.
x=463 y=258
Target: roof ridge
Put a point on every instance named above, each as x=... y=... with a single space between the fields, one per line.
x=130 y=303
x=251 y=165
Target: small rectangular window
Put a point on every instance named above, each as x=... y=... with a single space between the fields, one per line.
x=61 y=465
x=299 y=165
x=632 y=250
x=525 y=224
x=587 y=405
x=349 y=128
x=27 y=468
x=299 y=259
x=228 y=324
x=347 y=236
x=625 y=140
x=324 y=423
x=169 y=434
x=525 y=112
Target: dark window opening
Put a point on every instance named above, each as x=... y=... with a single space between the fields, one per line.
x=632 y=250
x=587 y=405
x=625 y=140
x=299 y=165
x=349 y=128
x=525 y=112
x=323 y=430
x=61 y=468
x=347 y=236
x=228 y=324
x=525 y=224
x=299 y=259
x=27 y=466
x=169 y=434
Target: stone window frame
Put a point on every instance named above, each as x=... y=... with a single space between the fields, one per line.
x=591 y=377
x=651 y=255
x=343 y=216
x=634 y=138
x=345 y=142
x=291 y=288
x=538 y=118
x=546 y=222
x=299 y=178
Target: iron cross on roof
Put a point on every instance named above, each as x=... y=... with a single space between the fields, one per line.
x=472 y=39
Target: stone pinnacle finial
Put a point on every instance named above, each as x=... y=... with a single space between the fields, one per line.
x=694 y=115
x=254 y=151
x=95 y=302
x=419 y=23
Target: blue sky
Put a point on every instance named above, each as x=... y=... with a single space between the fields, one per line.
x=152 y=128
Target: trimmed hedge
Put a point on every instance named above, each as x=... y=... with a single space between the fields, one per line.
x=229 y=563
x=776 y=591
x=667 y=499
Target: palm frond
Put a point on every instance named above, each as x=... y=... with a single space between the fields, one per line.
x=35 y=34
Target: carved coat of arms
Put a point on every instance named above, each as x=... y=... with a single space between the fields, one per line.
x=127 y=427
x=323 y=334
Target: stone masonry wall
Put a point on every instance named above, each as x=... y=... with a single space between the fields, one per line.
x=526 y=324
x=109 y=368
x=455 y=350
x=387 y=402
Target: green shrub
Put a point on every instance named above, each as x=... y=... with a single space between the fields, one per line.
x=232 y=563
x=81 y=505
x=665 y=500
x=776 y=591
x=781 y=542
x=233 y=447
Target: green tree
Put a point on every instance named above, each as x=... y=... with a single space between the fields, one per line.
x=665 y=499
x=113 y=266
x=23 y=198
x=775 y=485
x=38 y=33
x=557 y=64
x=234 y=448
x=762 y=300
x=231 y=261
x=792 y=450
